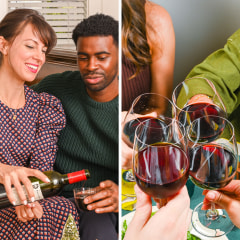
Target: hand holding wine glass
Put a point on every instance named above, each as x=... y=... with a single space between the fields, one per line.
x=161 y=165
x=191 y=103
x=227 y=198
x=145 y=106
x=143 y=225
x=213 y=156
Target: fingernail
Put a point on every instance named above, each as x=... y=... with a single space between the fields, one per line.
x=25 y=202
x=32 y=199
x=47 y=180
x=14 y=203
x=211 y=195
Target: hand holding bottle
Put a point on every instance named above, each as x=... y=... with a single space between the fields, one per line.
x=15 y=175
x=49 y=185
x=106 y=200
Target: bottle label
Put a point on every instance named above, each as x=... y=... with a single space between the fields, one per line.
x=37 y=193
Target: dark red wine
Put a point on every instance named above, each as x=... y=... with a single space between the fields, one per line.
x=80 y=204
x=130 y=127
x=80 y=195
x=161 y=170
x=211 y=166
x=204 y=129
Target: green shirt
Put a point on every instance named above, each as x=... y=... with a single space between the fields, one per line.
x=90 y=138
x=223 y=68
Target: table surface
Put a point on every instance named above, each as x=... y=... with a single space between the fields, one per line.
x=197 y=197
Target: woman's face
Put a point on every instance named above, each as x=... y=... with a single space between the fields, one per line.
x=26 y=55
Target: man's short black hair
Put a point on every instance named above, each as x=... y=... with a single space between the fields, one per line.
x=96 y=25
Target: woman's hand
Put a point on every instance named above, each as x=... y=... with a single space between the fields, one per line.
x=16 y=176
x=227 y=198
x=106 y=200
x=28 y=212
x=168 y=223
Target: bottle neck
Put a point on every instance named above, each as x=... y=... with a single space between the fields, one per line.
x=78 y=176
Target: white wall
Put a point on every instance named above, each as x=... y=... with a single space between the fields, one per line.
x=3 y=8
x=201 y=27
x=109 y=7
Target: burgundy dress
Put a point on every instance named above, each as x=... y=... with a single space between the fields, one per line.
x=131 y=88
x=30 y=139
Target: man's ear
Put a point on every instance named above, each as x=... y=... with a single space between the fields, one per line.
x=3 y=45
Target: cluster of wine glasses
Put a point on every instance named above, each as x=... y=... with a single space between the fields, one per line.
x=174 y=140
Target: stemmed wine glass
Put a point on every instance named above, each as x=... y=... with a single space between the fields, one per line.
x=213 y=164
x=160 y=161
x=191 y=104
x=145 y=106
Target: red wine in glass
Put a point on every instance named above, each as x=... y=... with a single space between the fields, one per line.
x=130 y=127
x=211 y=126
x=161 y=170
x=212 y=166
x=80 y=204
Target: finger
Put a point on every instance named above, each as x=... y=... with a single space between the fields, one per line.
x=29 y=189
x=106 y=209
x=19 y=191
x=98 y=196
x=29 y=212
x=219 y=198
x=106 y=184
x=182 y=199
x=143 y=210
x=9 y=192
x=104 y=203
x=127 y=153
x=233 y=188
x=37 y=211
x=21 y=213
x=38 y=174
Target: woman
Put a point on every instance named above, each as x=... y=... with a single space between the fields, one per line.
x=148 y=46
x=30 y=124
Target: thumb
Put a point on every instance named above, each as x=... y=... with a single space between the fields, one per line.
x=219 y=198
x=143 y=210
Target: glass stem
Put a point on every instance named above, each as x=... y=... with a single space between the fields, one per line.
x=212 y=214
x=162 y=202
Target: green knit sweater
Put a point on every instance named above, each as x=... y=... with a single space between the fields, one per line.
x=90 y=138
x=223 y=68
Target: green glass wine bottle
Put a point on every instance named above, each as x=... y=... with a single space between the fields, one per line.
x=44 y=190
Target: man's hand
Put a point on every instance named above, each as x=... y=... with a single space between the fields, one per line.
x=106 y=200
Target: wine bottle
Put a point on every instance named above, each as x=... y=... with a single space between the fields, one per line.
x=44 y=190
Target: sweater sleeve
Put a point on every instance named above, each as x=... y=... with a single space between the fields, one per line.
x=222 y=68
x=51 y=121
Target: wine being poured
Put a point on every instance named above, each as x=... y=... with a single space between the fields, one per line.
x=44 y=190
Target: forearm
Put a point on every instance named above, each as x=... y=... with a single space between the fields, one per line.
x=223 y=69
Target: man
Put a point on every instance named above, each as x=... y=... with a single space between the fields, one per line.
x=90 y=139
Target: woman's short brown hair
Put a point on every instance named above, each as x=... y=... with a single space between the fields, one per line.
x=13 y=23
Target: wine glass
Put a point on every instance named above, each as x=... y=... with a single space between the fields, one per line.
x=160 y=161
x=191 y=104
x=213 y=164
x=145 y=106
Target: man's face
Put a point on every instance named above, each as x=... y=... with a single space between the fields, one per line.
x=98 y=64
